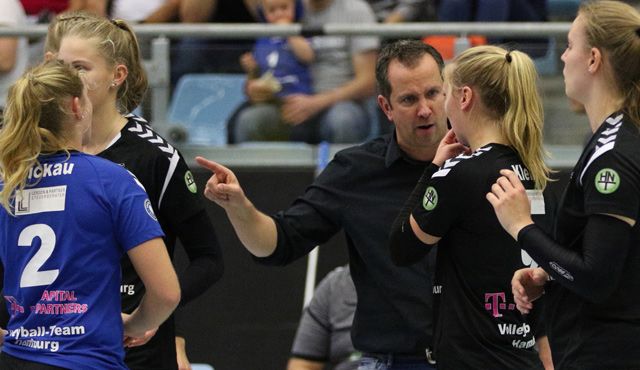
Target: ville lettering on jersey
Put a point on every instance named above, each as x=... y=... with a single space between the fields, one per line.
x=514 y=329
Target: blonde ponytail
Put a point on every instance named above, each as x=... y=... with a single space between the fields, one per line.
x=33 y=123
x=507 y=85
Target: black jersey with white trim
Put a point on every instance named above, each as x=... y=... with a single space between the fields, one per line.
x=606 y=180
x=477 y=323
x=173 y=194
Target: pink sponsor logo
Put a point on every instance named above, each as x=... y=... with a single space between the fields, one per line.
x=497 y=302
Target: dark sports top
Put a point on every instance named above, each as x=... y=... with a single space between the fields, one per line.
x=175 y=199
x=477 y=323
x=361 y=191
x=606 y=180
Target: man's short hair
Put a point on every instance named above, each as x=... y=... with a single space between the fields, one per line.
x=408 y=53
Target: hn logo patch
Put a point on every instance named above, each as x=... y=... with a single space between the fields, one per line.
x=607 y=181
x=191 y=182
x=430 y=200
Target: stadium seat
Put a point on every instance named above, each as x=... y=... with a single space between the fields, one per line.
x=202 y=104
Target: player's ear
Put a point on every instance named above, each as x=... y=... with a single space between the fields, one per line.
x=385 y=105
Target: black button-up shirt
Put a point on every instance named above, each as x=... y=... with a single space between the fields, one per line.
x=362 y=191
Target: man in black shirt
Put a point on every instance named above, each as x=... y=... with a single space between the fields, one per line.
x=361 y=191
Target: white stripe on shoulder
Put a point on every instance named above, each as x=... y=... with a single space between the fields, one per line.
x=450 y=163
x=605 y=142
x=173 y=164
x=142 y=129
x=137 y=118
x=614 y=120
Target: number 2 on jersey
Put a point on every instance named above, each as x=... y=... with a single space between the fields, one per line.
x=31 y=276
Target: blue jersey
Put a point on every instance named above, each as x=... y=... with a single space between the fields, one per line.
x=274 y=54
x=61 y=256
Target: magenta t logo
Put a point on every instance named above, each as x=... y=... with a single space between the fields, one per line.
x=496 y=302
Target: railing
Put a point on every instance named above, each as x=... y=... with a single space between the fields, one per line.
x=253 y=30
x=159 y=79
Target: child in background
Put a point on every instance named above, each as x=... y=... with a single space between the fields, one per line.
x=277 y=67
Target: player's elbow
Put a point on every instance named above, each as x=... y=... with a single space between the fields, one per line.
x=169 y=297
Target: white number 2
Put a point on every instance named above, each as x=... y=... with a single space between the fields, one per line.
x=31 y=276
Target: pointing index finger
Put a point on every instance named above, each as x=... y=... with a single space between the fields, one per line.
x=210 y=165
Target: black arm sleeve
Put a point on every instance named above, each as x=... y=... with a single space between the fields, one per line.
x=206 y=266
x=404 y=246
x=594 y=271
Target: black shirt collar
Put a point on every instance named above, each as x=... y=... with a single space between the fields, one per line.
x=395 y=153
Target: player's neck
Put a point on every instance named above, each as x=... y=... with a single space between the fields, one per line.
x=106 y=124
x=486 y=132
x=600 y=106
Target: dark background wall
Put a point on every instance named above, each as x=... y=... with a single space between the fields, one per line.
x=248 y=319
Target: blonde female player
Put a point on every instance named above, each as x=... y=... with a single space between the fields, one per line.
x=593 y=313
x=106 y=53
x=67 y=219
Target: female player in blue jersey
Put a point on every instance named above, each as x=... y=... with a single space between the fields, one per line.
x=593 y=311
x=496 y=117
x=67 y=219
x=106 y=53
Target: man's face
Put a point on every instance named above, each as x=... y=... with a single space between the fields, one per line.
x=416 y=106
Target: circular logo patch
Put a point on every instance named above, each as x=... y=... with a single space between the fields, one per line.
x=191 y=182
x=430 y=200
x=149 y=209
x=607 y=181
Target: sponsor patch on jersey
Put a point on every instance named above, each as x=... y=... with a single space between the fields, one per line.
x=48 y=199
x=607 y=181
x=149 y=209
x=191 y=182
x=430 y=199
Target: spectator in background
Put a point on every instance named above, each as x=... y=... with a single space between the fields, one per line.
x=148 y=11
x=197 y=55
x=397 y=11
x=42 y=11
x=323 y=335
x=277 y=67
x=343 y=76
x=499 y=11
x=13 y=50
